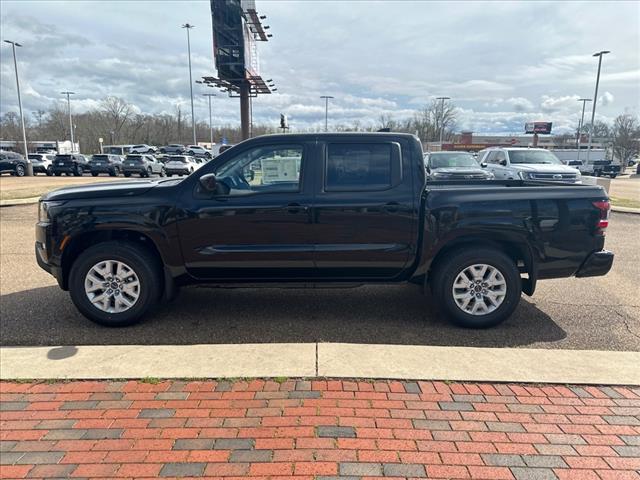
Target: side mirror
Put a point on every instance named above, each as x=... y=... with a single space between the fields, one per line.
x=503 y=162
x=483 y=164
x=209 y=183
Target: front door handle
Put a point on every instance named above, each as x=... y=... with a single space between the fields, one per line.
x=296 y=208
x=391 y=207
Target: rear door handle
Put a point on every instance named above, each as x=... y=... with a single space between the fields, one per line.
x=391 y=207
x=296 y=208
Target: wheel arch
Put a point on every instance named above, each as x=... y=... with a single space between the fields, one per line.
x=82 y=241
x=519 y=252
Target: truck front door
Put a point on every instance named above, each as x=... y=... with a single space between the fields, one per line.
x=257 y=227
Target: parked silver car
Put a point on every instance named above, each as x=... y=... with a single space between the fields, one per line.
x=517 y=163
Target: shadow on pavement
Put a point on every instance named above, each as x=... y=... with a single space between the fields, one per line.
x=200 y=315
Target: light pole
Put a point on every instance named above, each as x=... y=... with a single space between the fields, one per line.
x=442 y=100
x=68 y=94
x=584 y=102
x=188 y=26
x=29 y=170
x=599 y=54
x=209 y=95
x=326 y=111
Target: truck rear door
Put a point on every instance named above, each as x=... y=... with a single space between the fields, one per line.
x=364 y=209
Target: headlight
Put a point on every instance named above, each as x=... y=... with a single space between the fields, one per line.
x=524 y=175
x=43 y=209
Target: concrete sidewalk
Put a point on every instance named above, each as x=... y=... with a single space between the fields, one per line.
x=318 y=430
x=322 y=359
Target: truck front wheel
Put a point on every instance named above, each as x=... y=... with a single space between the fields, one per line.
x=477 y=288
x=115 y=283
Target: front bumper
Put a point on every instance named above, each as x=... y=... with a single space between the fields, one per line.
x=42 y=259
x=596 y=264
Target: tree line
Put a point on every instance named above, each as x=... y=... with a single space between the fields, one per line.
x=117 y=122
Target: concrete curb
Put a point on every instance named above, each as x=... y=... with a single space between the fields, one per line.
x=625 y=210
x=338 y=360
x=19 y=201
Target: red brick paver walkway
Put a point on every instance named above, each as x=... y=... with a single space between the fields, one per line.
x=318 y=429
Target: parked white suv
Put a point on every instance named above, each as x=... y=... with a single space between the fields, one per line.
x=182 y=164
x=143 y=148
x=198 y=151
x=527 y=164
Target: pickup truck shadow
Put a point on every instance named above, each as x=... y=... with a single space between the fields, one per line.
x=372 y=314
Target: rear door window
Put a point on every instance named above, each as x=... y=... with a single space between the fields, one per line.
x=358 y=167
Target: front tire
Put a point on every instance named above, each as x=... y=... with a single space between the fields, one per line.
x=49 y=171
x=20 y=170
x=115 y=283
x=477 y=288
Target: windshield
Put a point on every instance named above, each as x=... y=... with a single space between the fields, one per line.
x=448 y=160
x=533 y=156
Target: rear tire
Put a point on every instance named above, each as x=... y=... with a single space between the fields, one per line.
x=20 y=170
x=94 y=174
x=49 y=171
x=143 y=264
x=493 y=308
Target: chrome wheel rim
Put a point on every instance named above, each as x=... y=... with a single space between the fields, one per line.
x=479 y=289
x=112 y=286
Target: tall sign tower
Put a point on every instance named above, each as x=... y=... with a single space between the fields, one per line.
x=237 y=28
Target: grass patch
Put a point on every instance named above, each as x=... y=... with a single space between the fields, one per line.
x=151 y=380
x=624 y=202
x=20 y=193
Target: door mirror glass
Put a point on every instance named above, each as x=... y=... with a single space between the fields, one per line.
x=209 y=183
x=483 y=164
x=503 y=162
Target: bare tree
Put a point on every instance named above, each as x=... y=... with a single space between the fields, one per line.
x=117 y=112
x=626 y=138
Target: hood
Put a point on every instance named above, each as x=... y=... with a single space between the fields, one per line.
x=543 y=168
x=102 y=190
x=460 y=170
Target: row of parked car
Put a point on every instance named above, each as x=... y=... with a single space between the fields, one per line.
x=144 y=165
x=501 y=164
x=178 y=149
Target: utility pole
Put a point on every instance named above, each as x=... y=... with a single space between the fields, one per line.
x=600 y=54
x=326 y=111
x=580 y=124
x=29 y=170
x=73 y=145
x=442 y=100
x=188 y=26
x=209 y=95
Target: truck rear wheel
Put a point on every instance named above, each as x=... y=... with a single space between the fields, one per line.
x=115 y=283
x=477 y=288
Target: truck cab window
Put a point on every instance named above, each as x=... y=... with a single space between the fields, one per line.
x=358 y=166
x=264 y=169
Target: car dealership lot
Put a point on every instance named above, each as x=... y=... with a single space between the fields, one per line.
x=599 y=313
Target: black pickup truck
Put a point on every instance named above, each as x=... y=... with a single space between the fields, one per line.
x=319 y=209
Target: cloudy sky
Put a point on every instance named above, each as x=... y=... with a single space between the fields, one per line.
x=502 y=63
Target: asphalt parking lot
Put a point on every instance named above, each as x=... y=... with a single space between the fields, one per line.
x=599 y=313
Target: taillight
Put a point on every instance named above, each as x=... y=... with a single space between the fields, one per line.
x=603 y=222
